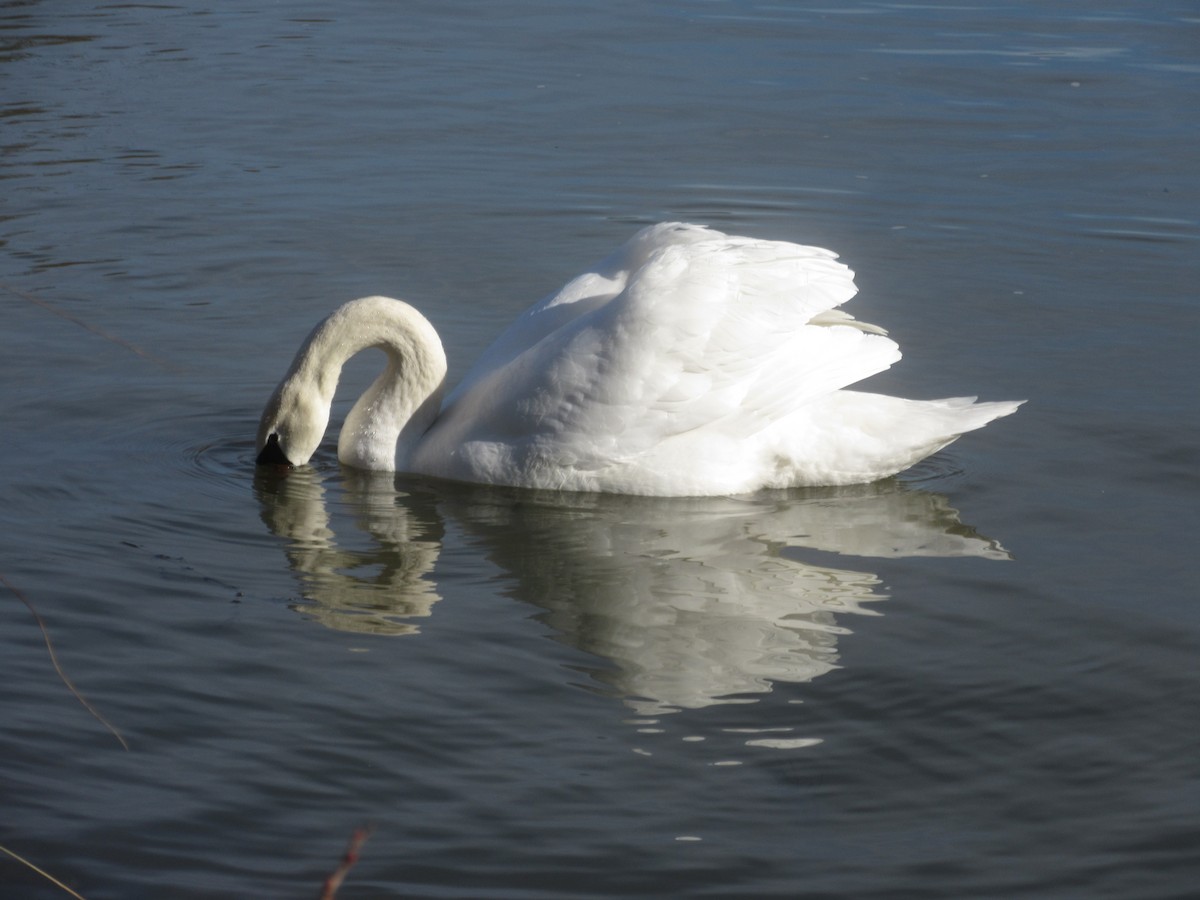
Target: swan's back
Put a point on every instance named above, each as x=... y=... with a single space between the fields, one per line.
x=582 y=294
x=688 y=362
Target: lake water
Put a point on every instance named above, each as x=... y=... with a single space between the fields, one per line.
x=978 y=680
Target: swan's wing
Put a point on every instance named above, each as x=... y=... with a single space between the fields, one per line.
x=583 y=294
x=756 y=332
x=715 y=335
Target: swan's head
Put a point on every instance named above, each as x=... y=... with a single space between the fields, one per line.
x=393 y=413
x=291 y=427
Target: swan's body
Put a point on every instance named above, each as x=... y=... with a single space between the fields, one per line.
x=687 y=363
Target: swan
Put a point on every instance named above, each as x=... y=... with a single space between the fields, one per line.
x=687 y=363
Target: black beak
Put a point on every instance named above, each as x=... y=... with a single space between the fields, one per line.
x=272 y=454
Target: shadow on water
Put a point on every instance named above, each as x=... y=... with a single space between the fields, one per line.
x=688 y=601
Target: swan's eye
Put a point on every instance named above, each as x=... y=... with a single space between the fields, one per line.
x=272 y=454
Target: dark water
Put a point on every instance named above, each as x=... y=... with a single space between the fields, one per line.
x=976 y=681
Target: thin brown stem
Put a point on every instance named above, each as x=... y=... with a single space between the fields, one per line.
x=23 y=861
x=58 y=668
x=334 y=881
x=94 y=329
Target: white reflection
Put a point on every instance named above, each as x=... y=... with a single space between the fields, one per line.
x=698 y=601
x=378 y=589
x=688 y=602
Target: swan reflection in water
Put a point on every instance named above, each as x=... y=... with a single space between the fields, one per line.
x=378 y=584
x=689 y=601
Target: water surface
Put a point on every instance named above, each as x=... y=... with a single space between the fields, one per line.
x=977 y=680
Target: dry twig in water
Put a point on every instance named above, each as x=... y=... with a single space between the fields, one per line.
x=57 y=668
x=334 y=881
x=94 y=329
x=41 y=872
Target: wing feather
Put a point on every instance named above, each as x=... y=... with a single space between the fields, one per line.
x=683 y=329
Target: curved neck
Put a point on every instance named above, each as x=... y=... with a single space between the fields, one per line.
x=389 y=418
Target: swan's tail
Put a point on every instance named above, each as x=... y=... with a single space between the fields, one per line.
x=963 y=414
x=852 y=437
x=919 y=428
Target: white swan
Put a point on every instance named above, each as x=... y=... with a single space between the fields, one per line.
x=687 y=363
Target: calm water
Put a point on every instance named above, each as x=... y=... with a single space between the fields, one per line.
x=976 y=681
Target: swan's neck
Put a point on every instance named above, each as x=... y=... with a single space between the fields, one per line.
x=384 y=426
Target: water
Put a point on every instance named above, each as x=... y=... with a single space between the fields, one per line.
x=977 y=680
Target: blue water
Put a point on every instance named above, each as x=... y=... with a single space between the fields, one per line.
x=977 y=680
